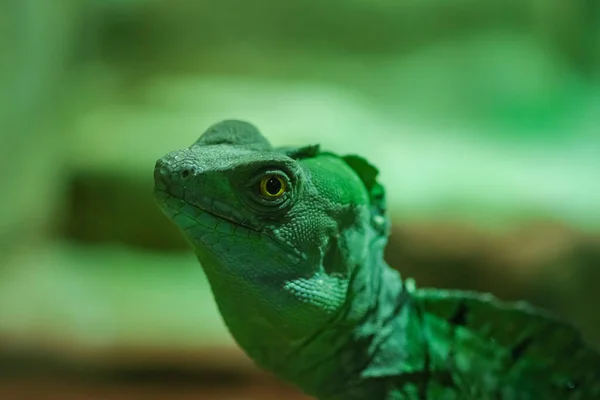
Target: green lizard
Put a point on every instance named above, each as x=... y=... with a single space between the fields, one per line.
x=292 y=242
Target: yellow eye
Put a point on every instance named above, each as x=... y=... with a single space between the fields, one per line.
x=272 y=187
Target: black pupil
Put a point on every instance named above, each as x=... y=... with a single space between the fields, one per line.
x=273 y=186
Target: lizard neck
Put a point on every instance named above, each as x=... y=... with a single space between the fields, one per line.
x=373 y=337
x=376 y=337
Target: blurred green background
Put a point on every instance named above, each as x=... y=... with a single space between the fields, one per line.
x=483 y=117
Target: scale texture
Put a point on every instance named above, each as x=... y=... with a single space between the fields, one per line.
x=292 y=241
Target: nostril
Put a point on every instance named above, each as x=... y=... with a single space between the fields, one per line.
x=185 y=173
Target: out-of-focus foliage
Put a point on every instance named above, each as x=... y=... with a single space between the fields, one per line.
x=482 y=117
x=35 y=48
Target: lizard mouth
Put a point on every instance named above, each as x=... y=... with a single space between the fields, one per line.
x=174 y=205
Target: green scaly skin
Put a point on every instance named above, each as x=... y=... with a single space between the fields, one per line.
x=302 y=285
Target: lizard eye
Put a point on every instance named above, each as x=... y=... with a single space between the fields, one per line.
x=269 y=190
x=272 y=187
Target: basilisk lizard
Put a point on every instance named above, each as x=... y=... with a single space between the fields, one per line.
x=292 y=241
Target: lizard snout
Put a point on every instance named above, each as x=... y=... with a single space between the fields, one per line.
x=162 y=175
x=174 y=170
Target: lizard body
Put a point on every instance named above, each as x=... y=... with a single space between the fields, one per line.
x=292 y=242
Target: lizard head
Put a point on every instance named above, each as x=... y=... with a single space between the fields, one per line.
x=278 y=231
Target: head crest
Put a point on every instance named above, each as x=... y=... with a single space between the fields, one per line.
x=234 y=132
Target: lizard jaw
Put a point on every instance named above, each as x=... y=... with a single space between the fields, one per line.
x=173 y=205
x=176 y=207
